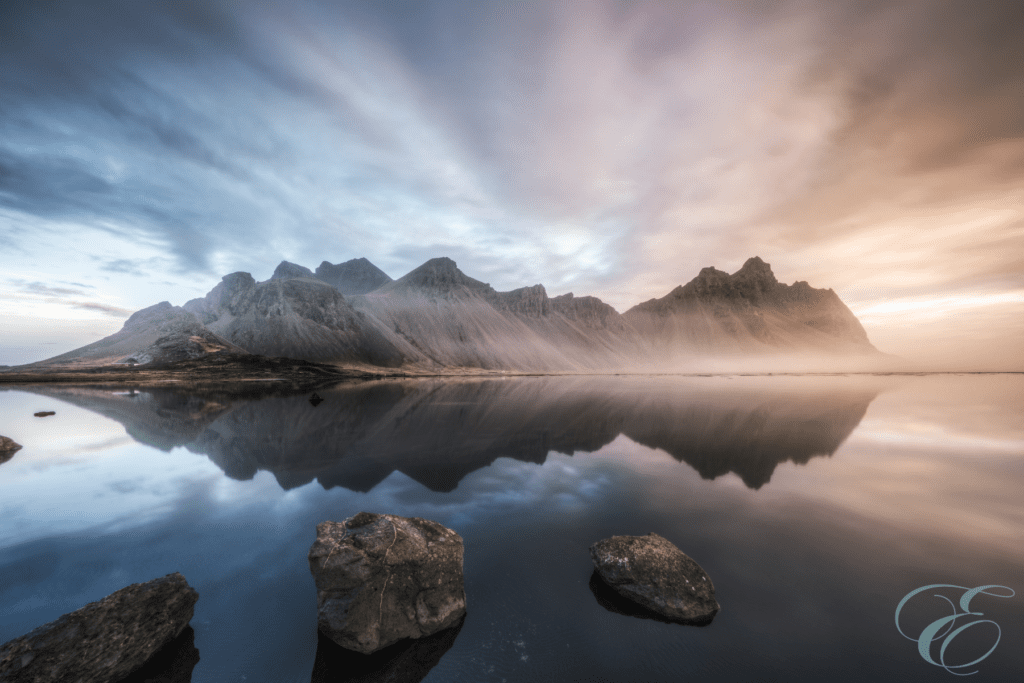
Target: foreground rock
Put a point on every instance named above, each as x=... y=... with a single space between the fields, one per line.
x=382 y=578
x=652 y=572
x=8 y=447
x=105 y=640
x=408 y=661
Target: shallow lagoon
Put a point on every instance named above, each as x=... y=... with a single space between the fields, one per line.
x=814 y=503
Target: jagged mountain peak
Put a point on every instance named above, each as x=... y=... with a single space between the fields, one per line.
x=755 y=271
x=286 y=270
x=440 y=275
x=355 y=276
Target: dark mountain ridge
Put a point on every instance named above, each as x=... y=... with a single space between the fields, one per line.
x=437 y=318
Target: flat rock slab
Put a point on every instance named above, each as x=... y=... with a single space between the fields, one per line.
x=105 y=640
x=657 y=575
x=382 y=578
x=8 y=447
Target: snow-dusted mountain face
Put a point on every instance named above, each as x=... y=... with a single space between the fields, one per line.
x=436 y=318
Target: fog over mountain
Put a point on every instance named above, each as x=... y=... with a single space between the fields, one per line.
x=436 y=318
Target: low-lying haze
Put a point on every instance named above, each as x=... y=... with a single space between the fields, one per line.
x=607 y=149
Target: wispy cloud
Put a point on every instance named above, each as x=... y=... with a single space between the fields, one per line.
x=612 y=149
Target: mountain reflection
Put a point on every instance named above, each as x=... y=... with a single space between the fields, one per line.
x=438 y=431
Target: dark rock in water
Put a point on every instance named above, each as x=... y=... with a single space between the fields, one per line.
x=406 y=662
x=652 y=572
x=286 y=270
x=8 y=447
x=382 y=578
x=105 y=640
x=612 y=601
x=315 y=399
x=44 y=413
x=172 y=664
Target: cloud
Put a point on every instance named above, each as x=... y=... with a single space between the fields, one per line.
x=114 y=311
x=36 y=293
x=874 y=148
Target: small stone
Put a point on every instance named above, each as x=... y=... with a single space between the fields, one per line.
x=383 y=578
x=8 y=447
x=105 y=640
x=44 y=413
x=655 y=574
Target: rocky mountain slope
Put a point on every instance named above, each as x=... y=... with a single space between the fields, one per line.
x=456 y=321
x=161 y=333
x=747 y=312
x=436 y=318
x=296 y=318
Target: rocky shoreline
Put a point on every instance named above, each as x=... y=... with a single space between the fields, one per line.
x=391 y=599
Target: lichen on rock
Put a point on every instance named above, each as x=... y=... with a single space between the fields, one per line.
x=657 y=575
x=383 y=578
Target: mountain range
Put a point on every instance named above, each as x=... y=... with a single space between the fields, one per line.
x=438 y=319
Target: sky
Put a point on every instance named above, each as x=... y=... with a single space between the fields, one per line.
x=604 y=148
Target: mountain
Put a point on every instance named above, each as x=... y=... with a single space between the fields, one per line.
x=286 y=270
x=748 y=312
x=357 y=276
x=296 y=318
x=456 y=321
x=160 y=333
x=438 y=319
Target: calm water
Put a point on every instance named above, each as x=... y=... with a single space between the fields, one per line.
x=814 y=503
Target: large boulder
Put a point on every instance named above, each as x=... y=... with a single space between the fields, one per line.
x=382 y=578
x=105 y=640
x=657 y=575
x=8 y=447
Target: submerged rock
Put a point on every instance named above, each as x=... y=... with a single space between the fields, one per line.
x=105 y=640
x=173 y=663
x=652 y=572
x=382 y=578
x=8 y=447
x=408 y=661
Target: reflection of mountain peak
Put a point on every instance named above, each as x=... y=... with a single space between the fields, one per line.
x=438 y=432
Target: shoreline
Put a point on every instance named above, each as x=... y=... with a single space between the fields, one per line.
x=271 y=374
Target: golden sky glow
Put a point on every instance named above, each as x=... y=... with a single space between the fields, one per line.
x=603 y=148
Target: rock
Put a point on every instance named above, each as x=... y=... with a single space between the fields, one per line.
x=286 y=270
x=44 y=413
x=105 y=640
x=408 y=661
x=173 y=663
x=8 y=447
x=357 y=276
x=657 y=575
x=382 y=578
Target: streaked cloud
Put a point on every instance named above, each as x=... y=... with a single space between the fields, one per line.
x=611 y=148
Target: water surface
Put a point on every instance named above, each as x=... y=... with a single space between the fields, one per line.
x=814 y=503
